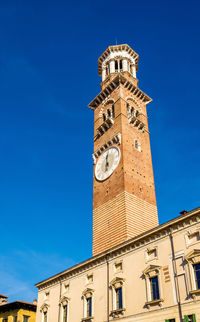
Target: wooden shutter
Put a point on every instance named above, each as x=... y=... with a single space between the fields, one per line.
x=186 y=318
x=194 y=317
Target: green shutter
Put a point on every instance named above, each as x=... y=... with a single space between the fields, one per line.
x=166 y=320
x=194 y=317
x=186 y=318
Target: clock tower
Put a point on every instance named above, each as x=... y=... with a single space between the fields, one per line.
x=124 y=202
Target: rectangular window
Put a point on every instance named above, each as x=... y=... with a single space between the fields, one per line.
x=155 y=295
x=197 y=275
x=25 y=318
x=15 y=318
x=89 y=306
x=65 y=313
x=190 y=318
x=170 y=320
x=5 y=320
x=119 y=298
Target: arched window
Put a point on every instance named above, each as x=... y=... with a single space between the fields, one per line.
x=120 y=64
x=109 y=113
x=104 y=116
x=152 y=280
x=116 y=65
x=117 y=285
x=44 y=311
x=64 y=302
x=88 y=303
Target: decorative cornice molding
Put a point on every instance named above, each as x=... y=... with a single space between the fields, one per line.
x=119 y=79
x=173 y=226
x=151 y=269
x=115 y=139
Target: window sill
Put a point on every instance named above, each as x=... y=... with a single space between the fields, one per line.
x=117 y=313
x=193 y=293
x=154 y=302
x=88 y=319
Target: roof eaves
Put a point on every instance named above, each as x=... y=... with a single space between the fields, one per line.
x=168 y=224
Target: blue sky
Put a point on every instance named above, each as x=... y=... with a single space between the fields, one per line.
x=48 y=75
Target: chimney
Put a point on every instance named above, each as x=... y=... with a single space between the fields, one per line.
x=183 y=212
x=3 y=299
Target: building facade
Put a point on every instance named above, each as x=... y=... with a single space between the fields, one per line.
x=18 y=311
x=139 y=271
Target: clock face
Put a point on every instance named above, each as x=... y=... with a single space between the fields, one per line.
x=107 y=163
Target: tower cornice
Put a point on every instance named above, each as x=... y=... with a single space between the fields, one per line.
x=119 y=79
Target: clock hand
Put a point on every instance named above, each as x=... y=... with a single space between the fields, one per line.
x=107 y=163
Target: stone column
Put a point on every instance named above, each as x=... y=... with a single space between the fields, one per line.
x=134 y=71
x=112 y=66
x=103 y=74
x=125 y=65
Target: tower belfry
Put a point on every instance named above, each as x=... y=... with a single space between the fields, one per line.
x=124 y=202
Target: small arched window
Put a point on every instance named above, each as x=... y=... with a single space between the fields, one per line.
x=116 y=65
x=108 y=112
x=120 y=64
x=104 y=117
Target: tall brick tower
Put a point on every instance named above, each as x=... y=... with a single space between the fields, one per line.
x=124 y=202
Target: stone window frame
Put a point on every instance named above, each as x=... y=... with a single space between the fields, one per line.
x=150 y=250
x=180 y=255
x=44 y=309
x=190 y=233
x=66 y=287
x=116 y=283
x=150 y=272
x=87 y=293
x=193 y=258
x=46 y=295
x=88 y=276
x=64 y=301
x=118 y=263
